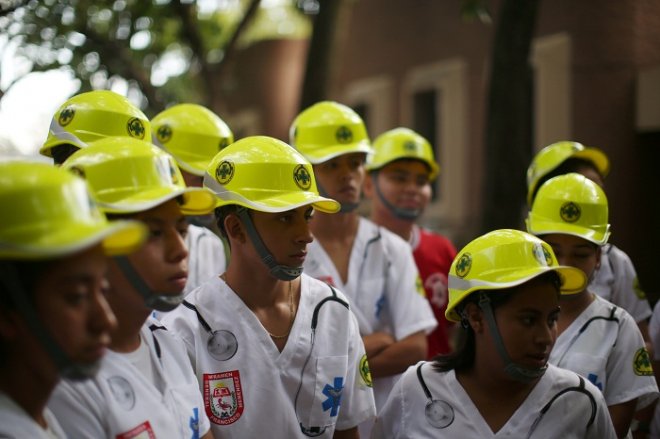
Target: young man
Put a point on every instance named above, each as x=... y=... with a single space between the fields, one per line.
x=372 y=265
x=91 y=116
x=193 y=135
x=276 y=352
x=398 y=183
x=146 y=384
x=54 y=319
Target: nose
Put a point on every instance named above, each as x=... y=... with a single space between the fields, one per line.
x=102 y=318
x=175 y=247
x=545 y=335
x=304 y=232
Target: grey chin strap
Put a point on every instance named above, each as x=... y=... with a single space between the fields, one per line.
x=343 y=207
x=515 y=371
x=404 y=214
x=153 y=300
x=66 y=367
x=282 y=272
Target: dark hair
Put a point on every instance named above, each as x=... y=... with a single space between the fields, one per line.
x=62 y=152
x=463 y=356
x=26 y=273
x=572 y=164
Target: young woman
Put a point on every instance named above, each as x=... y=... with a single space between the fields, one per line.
x=146 y=384
x=277 y=353
x=504 y=290
x=398 y=182
x=596 y=338
x=54 y=318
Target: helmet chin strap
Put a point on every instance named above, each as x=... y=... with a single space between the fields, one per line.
x=152 y=299
x=66 y=367
x=343 y=207
x=515 y=371
x=280 y=271
x=404 y=214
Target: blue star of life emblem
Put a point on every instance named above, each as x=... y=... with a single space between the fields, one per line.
x=334 y=396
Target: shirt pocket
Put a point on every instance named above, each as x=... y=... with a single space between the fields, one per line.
x=329 y=383
x=591 y=367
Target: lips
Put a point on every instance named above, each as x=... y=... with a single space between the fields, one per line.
x=179 y=279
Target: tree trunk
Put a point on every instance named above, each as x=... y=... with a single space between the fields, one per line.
x=509 y=121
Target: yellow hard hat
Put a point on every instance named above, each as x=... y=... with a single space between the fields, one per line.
x=327 y=130
x=570 y=204
x=264 y=174
x=550 y=157
x=192 y=133
x=402 y=143
x=49 y=213
x=91 y=116
x=128 y=175
x=504 y=259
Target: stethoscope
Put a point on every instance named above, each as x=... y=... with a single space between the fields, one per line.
x=315 y=431
x=440 y=414
x=222 y=345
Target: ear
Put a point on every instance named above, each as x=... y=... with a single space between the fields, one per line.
x=368 y=185
x=598 y=255
x=235 y=228
x=475 y=317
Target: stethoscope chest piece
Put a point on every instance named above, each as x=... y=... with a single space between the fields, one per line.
x=222 y=345
x=439 y=413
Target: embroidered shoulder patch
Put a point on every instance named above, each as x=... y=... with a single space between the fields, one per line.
x=365 y=372
x=642 y=363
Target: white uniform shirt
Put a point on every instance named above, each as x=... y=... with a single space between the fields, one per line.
x=250 y=387
x=616 y=281
x=384 y=288
x=15 y=423
x=403 y=416
x=206 y=256
x=120 y=403
x=604 y=345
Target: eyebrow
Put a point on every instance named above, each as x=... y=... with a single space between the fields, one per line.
x=160 y=222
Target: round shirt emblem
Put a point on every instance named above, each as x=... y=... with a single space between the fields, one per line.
x=164 y=133
x=66 y=116
x=135 y=128
x=570 y=212
x=463 y=265
x=302 y=177
x=224 y=172
x=122 y=391
x=642 y=363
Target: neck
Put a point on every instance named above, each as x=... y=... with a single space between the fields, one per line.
x=126 y=336
x=335 y=226
x=572 y=306
x=257 y=290
x=485 y=383
x=29 y=387
x=401 y=227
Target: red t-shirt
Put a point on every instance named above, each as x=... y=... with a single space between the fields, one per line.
x=433 y=255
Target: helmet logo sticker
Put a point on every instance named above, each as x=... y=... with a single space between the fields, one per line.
x=344 y=135
x=224 y=172
x=410 y=146
x=164 y=133
x=135 y=128
x=66 y=116
x=76 y=170
x=463 y=265
x=570 y=212
x=173 y=175
x=224 y=142
x=542 y=255
x=301 y=177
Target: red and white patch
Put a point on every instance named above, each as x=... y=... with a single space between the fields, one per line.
x=142 y=431
x=223 y=397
